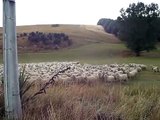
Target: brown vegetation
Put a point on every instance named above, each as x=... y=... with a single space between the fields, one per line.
x=96 y=102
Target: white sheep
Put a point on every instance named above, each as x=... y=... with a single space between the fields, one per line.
x=144 y=67
x=92 y=79
x=79 y=72
x=65 y=80
x=132 y=73
x=139 y=69
x=155 y=69
x=109 y=78
x=121 y=77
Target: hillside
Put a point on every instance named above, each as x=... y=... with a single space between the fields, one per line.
x=80 y=34
x=88 y=98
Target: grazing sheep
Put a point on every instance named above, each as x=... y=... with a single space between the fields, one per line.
x=155 y=69
x=83 y=73
x=132 y=73
x=109 y=78
x=119 y=72
x=139 y=69
x=121 y=77
x=144 y=67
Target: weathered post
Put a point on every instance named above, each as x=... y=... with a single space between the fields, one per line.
x=13 y=108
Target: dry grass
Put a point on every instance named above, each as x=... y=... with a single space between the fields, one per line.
x=96 y=102
x=80 y=34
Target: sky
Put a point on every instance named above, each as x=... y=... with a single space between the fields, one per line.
x=30 y=12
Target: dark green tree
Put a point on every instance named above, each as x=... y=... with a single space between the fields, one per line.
x=109 y=25
x=158 y=24
x=138 y=26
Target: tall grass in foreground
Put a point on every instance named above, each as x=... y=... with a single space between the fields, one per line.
x=96 y=102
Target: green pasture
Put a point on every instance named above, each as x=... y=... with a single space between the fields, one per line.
x=97 y=53
x=100 y=53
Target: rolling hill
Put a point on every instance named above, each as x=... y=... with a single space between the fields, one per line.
x=90 y=44
x=80 y=34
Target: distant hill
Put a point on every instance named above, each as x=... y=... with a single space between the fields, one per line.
x=80 y=34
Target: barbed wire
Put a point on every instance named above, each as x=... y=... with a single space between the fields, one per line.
x=45 y=86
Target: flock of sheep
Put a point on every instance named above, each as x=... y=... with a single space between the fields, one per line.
x=155 y=68
x=83 y=73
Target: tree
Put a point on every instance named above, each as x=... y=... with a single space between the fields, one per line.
x=158 y=24
x=138 y=26
x=109 y=25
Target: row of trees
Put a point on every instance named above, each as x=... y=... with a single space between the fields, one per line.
x=138 y=26
x=51 y=39
x=109 y=25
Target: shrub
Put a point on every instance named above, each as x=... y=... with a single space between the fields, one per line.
x=52 y=39
x=55 y=25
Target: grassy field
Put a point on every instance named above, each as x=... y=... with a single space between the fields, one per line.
x=97 y=53
x=101 y=53
x=138 y=99
x=90 y=45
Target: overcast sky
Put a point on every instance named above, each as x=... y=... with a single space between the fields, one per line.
x=68 y=11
